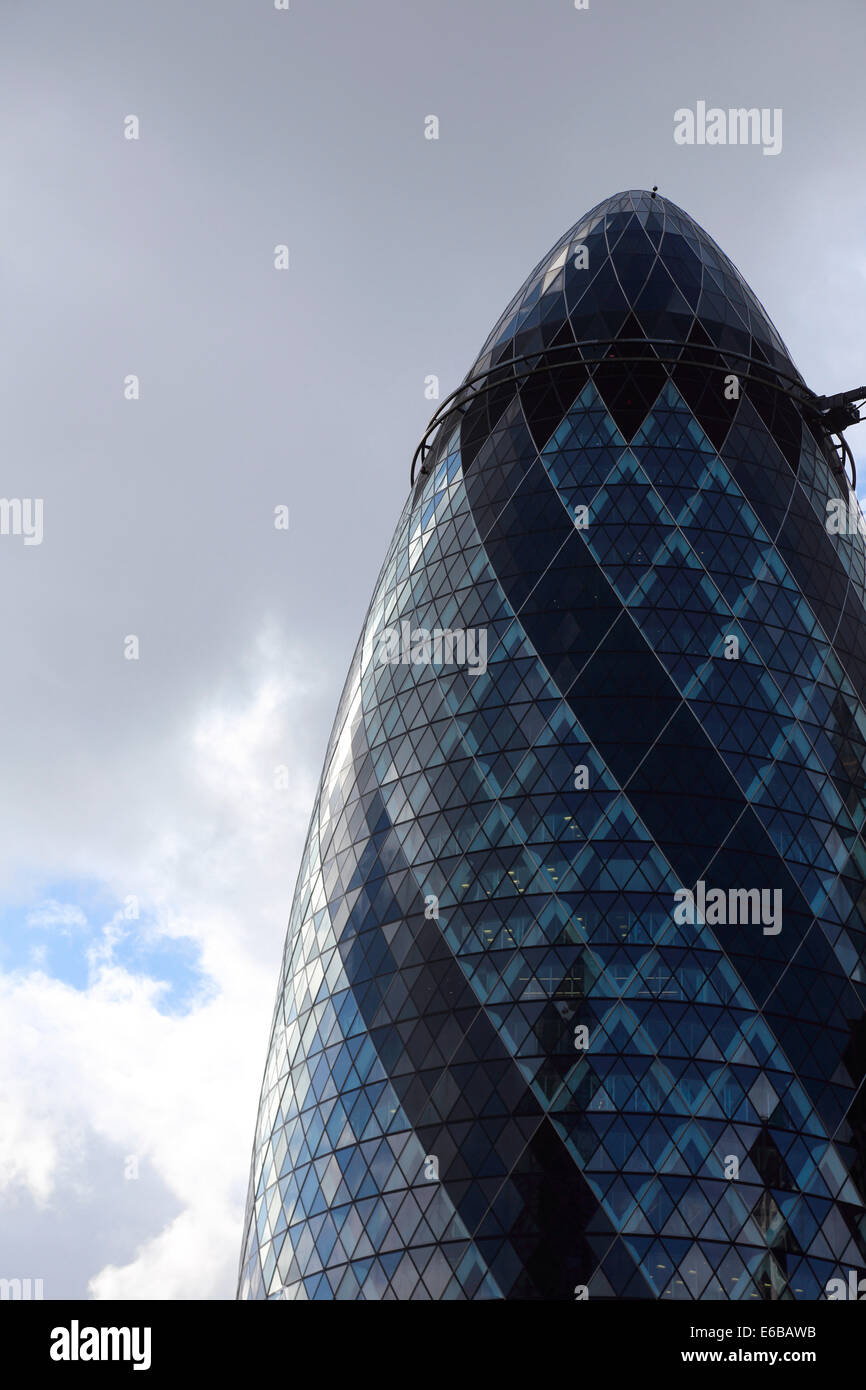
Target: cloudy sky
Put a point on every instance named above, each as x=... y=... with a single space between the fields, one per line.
x=149 y=848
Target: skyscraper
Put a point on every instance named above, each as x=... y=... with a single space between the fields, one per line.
x=572 y=996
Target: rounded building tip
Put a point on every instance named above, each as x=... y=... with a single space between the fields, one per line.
x=636 y=265
x=636 y=277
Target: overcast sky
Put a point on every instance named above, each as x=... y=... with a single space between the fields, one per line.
x=134 y=1044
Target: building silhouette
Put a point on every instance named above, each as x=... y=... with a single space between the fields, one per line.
x=615 y=656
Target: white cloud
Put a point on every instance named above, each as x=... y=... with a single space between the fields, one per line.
x=54 y=914
x=211 y=851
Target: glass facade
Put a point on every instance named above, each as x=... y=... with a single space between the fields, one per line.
x=614 y=654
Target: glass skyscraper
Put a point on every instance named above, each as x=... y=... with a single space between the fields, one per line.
x=572 y=997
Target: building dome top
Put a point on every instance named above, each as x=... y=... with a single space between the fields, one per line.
x=633 y=293
x=650 y=271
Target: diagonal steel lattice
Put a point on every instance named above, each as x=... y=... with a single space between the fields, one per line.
x=492 y=862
